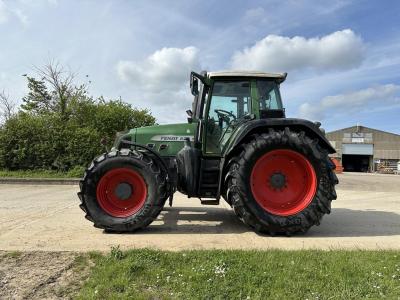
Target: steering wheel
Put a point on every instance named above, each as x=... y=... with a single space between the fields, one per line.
x=225 y=115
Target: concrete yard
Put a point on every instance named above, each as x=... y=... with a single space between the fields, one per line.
x=366 y=215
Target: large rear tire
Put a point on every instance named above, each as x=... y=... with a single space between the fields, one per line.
x=282 y=182
x=123 y=191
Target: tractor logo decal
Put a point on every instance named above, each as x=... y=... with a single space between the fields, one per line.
x=172 y=138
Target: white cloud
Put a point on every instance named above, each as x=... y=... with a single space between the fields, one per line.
x=338 y=50
x=358 y=101
x=161 y=81
x=167 y=69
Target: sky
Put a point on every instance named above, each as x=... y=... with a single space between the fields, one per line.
x=342 y=57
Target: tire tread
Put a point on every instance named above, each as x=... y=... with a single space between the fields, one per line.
x=236 y=178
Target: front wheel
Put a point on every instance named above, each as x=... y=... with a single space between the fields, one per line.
x=281 y=182
x=123 y=191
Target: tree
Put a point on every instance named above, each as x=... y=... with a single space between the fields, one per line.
x=39 y=100
x=54 y=91
x=60 y=125
x=7 y=107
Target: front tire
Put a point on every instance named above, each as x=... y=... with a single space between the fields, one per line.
x=281 y=182
x=123 y=191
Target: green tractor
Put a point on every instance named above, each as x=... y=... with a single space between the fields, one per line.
x=237 y=144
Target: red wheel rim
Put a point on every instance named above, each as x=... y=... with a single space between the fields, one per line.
x=283 y=182
x=121 y=192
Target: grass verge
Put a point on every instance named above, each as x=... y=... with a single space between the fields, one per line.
x=80 y=269
x=273 y=274
x=76 y=172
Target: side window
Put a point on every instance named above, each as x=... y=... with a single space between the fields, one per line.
x=230 y=100
x=269 y=96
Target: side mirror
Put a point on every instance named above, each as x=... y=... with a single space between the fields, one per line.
x=194 y=85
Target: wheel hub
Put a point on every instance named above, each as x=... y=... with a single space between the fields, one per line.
x=277 y=180
x=123 y=191
x=283 y=182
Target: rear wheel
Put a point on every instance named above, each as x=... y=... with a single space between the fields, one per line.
x=281 y=182
x=123 y=191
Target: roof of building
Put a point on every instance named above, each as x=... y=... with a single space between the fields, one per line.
x=238 y=73
x=364 y=127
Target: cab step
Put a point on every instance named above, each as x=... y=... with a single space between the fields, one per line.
x=209 y=201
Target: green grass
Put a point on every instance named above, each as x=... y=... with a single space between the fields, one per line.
x=80 y=270
x=273 y=274
x=73 y=173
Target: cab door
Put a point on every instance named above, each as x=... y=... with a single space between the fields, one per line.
x=229 y=101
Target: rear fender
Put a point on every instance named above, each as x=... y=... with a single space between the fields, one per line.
x=260 y=126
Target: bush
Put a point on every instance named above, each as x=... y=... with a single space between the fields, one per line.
x=26 y=142
x=48 y=140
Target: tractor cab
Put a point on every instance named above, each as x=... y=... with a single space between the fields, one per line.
x=224 y=100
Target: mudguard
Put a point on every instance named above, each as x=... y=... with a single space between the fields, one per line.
x=188 y=165
x=262 y=125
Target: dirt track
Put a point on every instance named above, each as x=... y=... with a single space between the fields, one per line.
x=40 y=275
x=366 y=215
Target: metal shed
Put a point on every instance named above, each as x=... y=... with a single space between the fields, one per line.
x=364 y=149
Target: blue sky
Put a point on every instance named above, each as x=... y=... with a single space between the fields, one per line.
x=343 y=57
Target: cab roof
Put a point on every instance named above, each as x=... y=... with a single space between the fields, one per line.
x=280 y=77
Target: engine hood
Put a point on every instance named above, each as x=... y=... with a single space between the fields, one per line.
x=167 y=140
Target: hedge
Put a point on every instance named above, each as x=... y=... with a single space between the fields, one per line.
x=49 y=141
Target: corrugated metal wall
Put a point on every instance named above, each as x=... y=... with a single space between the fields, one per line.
x=386 y=145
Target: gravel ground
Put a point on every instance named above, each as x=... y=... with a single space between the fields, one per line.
x=47 y=218
x=45 y=223
x=40 y=275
